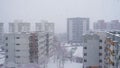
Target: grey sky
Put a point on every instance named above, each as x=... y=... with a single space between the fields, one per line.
x=58 y=10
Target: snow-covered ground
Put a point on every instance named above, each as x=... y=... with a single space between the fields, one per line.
x=67 y=64
x=79 y=52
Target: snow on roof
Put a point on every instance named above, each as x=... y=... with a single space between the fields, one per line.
x=79 y=52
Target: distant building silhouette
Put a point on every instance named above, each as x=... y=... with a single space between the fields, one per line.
x=76 y=27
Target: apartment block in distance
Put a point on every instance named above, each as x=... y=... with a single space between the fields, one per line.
x=19 y=26
x=101 y=25
x=45 y=26
x=76 y=27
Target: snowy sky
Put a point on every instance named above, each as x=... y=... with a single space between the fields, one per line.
x=58 y=11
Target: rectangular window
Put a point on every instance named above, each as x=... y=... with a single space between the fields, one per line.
x=100 y=40
x=17 y=44
x=85 y=54
x=17 y=50
x=100 y=54
x=85 y=60
x=85 y=47
x=6 y=56
x=100 y=47
x=100 y=60
x=6 y=44
x=17 y=56
x=17 y=37
x=6 y=50
x=6 y=38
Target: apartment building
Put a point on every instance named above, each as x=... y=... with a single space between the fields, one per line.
x=1 y=33
x=102 y=25
x=25 y=48
x=19 y=26
x=92 y=51
x=76 y=27
x=45 y=26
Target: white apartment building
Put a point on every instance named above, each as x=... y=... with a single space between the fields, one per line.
x=17 y=48
x=92 y=51
x=25 y=48
x=19 y=26
x=45 y=26
x=76 y=27
x=1 y=33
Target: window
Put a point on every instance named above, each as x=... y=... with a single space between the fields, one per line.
x=100 y=47
x=100 y=40
x=85 y=54
x=17 y=50
x=17 y=44
x=85 y=47
x=17 y=37
x=113 y=64
x=6 y=44
x=100 y=54
x=100 y=60
x=17 y=56
x=85 y=60
x=6 y=56
x=6 y=50
x=6 y=38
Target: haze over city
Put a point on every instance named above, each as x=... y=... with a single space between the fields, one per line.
x=58 y=11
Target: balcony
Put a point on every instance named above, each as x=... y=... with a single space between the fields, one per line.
x=109 y=61
x=110 y=42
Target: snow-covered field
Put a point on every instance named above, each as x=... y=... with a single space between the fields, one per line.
x=67 y=64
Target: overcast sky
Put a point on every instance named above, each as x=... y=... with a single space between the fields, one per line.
x=58 y=11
